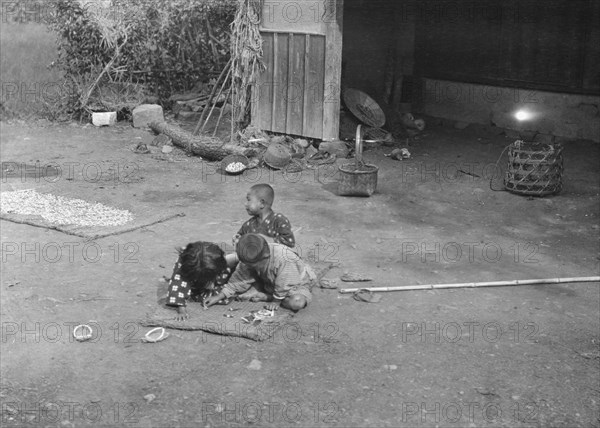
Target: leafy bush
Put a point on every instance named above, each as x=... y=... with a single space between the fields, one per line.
x=149 y=47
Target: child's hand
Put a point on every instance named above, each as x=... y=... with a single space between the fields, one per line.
x=235 y=240
x=182 y=313
x=272 y=307
x=213 y=300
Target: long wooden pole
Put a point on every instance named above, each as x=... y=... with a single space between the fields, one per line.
x=476 y=284
x=223 y=111
x=215 y=100
x=210 y=98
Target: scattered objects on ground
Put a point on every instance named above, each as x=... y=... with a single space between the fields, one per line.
x=149 y=398
x=82 y=332
x=399 y=154
x=365 y=295
x=329 y=284
x=157 y=334
x=354 y=277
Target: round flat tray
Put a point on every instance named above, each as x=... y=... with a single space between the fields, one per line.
x=364 y=108
x=233 y=159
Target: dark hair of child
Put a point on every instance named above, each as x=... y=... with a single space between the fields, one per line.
x=201 y=263
x=264 y=192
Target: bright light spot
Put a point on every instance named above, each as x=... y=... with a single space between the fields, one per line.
x=523 y=115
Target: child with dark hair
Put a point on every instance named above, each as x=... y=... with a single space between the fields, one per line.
x=200 y=271
x=202 y=268
x=276 y=226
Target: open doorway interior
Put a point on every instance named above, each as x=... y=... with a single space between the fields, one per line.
x=377 y=58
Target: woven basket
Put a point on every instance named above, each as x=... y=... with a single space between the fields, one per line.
x=277 y=156
x=357 y=178
x=378 y=134
x=364 y=108
x=534 y=169
x=228 y=160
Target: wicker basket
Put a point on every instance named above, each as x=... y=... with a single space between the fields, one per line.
x=277 y=156
x=377 y=134
x=228 y=160
x=357 y=178
x=534 y=169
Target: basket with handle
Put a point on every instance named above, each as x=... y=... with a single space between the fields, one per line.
x=357 y=178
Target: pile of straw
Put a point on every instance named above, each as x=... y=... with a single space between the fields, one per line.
x=246 y=57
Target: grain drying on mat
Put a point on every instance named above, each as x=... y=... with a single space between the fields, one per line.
x=62 y=211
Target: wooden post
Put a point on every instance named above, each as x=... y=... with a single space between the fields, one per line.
x=333 y=68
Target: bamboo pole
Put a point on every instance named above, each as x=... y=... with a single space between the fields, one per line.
x=476 y=284
x=233 y=99
x=210 y=98
x=222 y=112
x=214 y=103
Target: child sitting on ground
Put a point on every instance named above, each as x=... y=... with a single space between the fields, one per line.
x=200 y=270
x=268 y=272
x=259 y=202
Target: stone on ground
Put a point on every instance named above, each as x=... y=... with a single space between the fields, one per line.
x=146 y=113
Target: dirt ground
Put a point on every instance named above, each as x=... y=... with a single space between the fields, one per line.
x=503 y=357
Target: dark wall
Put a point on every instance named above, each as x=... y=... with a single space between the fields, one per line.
x=539 y=44
x=369 y=32
x=550 y=45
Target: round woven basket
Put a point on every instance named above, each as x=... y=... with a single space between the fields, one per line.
x=228 y=160
x=357 y=178
x=364 y=108
x=534 y=169
x=277 y=156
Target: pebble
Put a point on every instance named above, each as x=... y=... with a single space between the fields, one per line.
x=255 y=365
x=167 y=149
x=390 y=367
x=149 y=398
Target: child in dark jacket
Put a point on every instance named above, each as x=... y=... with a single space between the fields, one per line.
x=202 y=268
x=259 y=205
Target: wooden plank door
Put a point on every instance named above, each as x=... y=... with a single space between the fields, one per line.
x=299 y=93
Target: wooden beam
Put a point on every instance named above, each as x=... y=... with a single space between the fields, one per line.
x=333 y=68
x=210 y=148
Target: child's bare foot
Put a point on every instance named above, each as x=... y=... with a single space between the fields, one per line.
x=260 y=297
x=182 y=314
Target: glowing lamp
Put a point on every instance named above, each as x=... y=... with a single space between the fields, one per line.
x=522 y=115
